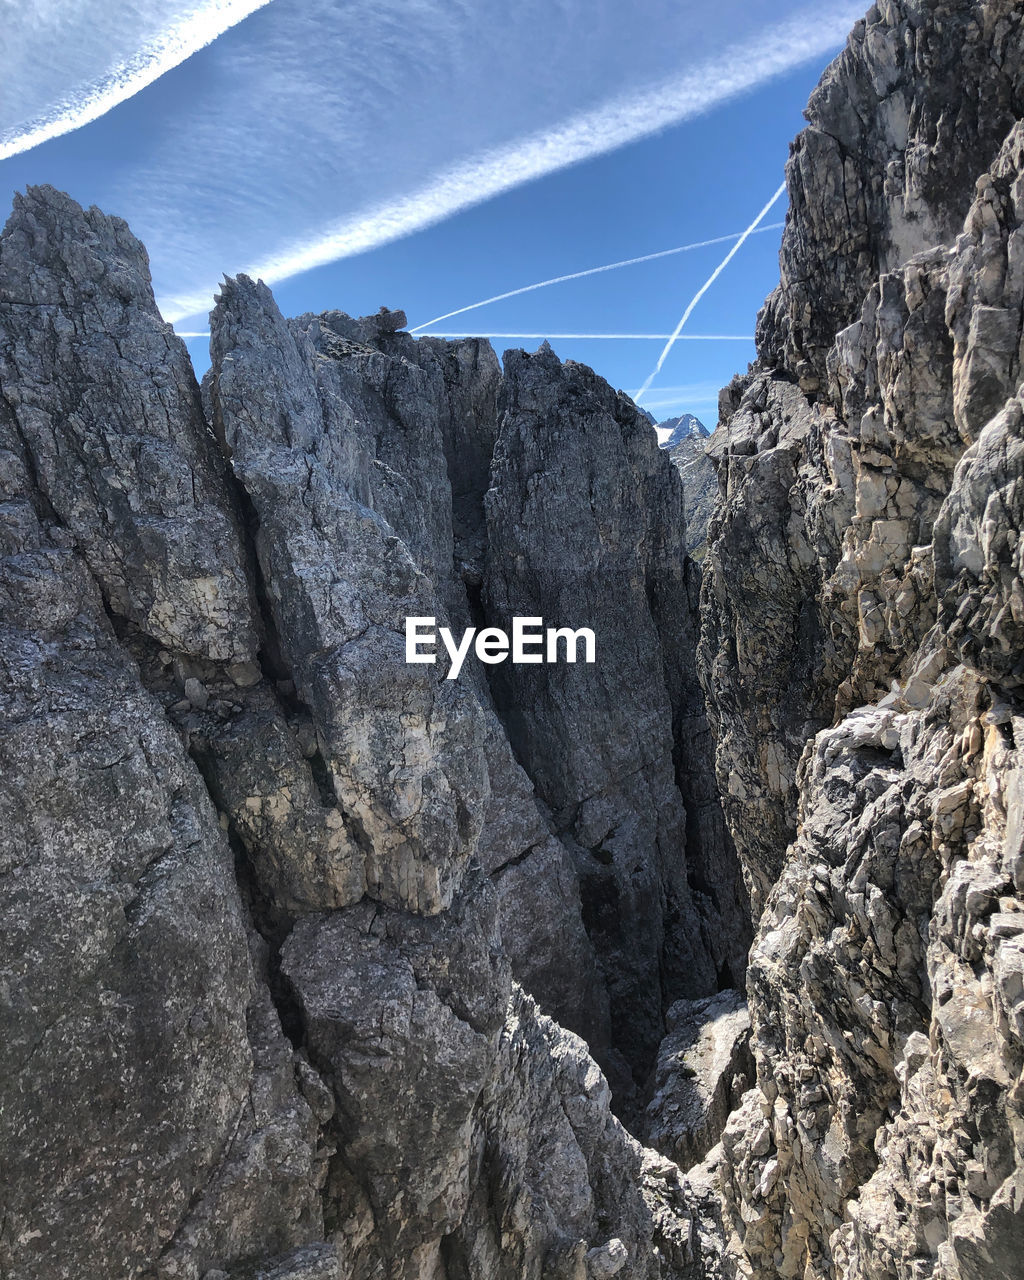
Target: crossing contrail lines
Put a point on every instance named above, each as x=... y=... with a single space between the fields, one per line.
x=611 y=337
x=555 y=337
x=739 y=238
x=591 y=271
x=674 y=337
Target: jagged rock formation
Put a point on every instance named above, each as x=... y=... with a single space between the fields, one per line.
x=271 y=895
x=312 y=959
x=861 y=651
x=902 y=126
x=621 y=762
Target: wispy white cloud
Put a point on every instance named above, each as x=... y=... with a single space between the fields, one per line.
x=322 y=128
x=700 y=398
x=69 y=65
x=706 y=410
x=546 y=336
x=665 y=397
x=521 y=103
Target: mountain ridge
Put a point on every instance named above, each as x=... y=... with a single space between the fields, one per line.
x=294 y=857
x=319 y=966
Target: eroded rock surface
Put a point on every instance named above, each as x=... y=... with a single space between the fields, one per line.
x=686 y=445
x=618 y=749
x=318 y=966
x=273 y=897
x=704 y=1067
x=861 y=652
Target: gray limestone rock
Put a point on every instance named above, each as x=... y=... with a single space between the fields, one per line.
x=399 y=436
x=102 y=394
x=147 y=1091
x=267 y=886
x=685 y=445
x=700 y=489
x=704 y=1066
x=901 y=126
x=504 y=1156
x=629 y=786
x=402 y=746
x=861 y=653
x=836 y=452
x=768 y=657
x=287 y=921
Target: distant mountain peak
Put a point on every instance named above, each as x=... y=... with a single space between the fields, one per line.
x=685 y=427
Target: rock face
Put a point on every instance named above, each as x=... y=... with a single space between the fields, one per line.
x=901 y=130
x=273 y=898
x=704 y=1067
x=318 y=965
x=618 y=757
x=861 y=651
x=146 y=1083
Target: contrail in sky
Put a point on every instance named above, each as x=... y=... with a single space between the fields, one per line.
x=591 y=271
x=594 y=132
x=615 y=337
x=150 y=61
x=707 y=285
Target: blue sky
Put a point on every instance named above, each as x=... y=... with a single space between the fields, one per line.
x=426 y=154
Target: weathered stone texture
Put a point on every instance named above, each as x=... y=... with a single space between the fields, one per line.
x=103 y=395
x=146 y=1082
x=861 y=652
x=901 y=125
x=704 y=1066
x=618 y=750
x=268 y=888
x=700 y=489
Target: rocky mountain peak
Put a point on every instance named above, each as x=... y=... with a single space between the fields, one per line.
x=321 y=965
x=319 y=879
x=859 y=653
x=683 y=427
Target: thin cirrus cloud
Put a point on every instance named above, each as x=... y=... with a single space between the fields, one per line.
x=319 y=129
x=67 y=65
x=666 y=397
x=579 y=138
x=546 y=335
x=590 y=337
x=700 y=398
